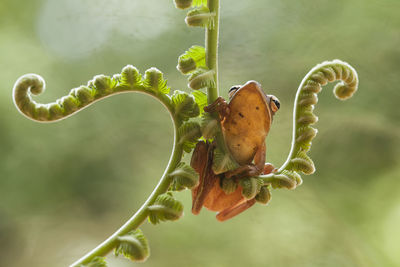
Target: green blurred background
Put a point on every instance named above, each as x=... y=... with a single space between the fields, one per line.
x=65 y=187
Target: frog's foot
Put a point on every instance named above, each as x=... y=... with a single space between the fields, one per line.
x=219 y=106
x=231 y=212
x=245 y=171
x=269 y=168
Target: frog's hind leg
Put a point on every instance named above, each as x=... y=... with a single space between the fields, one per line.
x=235 y=210
x=202 y=161
x=238 y=208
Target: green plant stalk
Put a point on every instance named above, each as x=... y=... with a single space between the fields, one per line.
x=212 y=34
x=349 y=80
x=305 y=100
x=140 y=216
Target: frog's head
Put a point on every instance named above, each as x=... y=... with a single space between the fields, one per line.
x=272 y=102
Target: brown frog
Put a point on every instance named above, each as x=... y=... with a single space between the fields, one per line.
x=245 y=124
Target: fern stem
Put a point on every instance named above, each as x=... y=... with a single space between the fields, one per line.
x=212 y=34
x=140 y=216
x=306 y=98
x=320 y=75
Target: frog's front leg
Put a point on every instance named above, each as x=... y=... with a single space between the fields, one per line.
x=220 y=106
x=255 y=169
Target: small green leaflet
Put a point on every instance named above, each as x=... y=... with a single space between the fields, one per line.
x=184 y=177
x=201 y=78
x=185 y=106
x=188 y=135
x=198 y=54
x=103 y=83
x=133 y=246
x=197 y=3
x=250 y=187
x=192 y=59
x=154 y=81
x=264 y=196
x=223 y=162
x=200 y=17
x=209 y=126
x=165 y=208
x=201 y=100
x=130 y=76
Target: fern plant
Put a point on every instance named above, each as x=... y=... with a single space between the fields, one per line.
x=191 y=124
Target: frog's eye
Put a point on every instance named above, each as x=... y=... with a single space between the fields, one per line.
x=275 y=104
x=233 y=90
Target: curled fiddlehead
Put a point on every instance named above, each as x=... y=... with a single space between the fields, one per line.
x=298 y=161
x=99 y=87
x=133 y=245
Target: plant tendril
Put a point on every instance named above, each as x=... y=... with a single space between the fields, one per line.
x=287 y=176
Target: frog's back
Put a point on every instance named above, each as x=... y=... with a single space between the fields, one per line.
x=248 y=123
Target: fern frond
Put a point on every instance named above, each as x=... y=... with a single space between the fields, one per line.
x=130 y=77
x=223 y=162
x=228 y=185
x=305 y=135
x=194 y=58
x=250 y=187
x=209 y=126
x=303 y=117
x=198 y=3
x=99 y=87
x=188 y=134
x=264 y=196
x=185 y=106
x=184 y=177
x=154 y=81
x=200 y=17
x=294 y=176
x=183 y=4
x=165 y=208
x=133 y=246
x=201 y=78
x=201 y=100
x=280 y=181
x=301 y=162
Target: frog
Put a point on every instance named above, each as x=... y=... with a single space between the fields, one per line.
x=245 y=122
